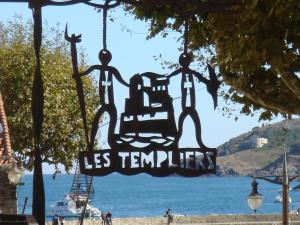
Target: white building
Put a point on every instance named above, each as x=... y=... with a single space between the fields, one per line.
x=261 y=142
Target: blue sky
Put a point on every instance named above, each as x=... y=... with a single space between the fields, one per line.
x=132 y=54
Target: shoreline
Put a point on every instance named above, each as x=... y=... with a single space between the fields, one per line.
x=194 y=220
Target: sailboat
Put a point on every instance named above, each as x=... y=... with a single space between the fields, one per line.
x=81 y=192
x=81 y=188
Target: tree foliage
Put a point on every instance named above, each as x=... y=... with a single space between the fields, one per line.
x=254 y=44
x=62 y=136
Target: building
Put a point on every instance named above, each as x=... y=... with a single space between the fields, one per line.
x=8 y=194
x=261 y=142
x=149 y=113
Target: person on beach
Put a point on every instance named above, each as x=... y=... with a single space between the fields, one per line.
x=55 y=220
x=109 y=217
x=61 y=220
x=169 y=216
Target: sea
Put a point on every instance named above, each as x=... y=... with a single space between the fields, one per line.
x=143 y=195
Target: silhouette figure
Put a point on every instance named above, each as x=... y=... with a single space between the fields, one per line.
x=106 y=93
x=188 y=100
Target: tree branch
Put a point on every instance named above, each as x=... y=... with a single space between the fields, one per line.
x=291 y=81
x=213 y=6
x=49 y=161
x=273 y=104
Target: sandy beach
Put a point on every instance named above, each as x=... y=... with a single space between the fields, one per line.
x=196 y=220
x=122 y=221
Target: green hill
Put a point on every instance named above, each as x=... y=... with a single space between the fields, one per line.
x=241 y=156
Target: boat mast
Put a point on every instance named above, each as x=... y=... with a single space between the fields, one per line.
x=80 y=185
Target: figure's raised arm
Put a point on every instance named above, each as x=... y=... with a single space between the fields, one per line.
x=119 y=77
x=176 y=72
x=200 y=77
x=212 y=85
x=212 y=76
x=89 y=70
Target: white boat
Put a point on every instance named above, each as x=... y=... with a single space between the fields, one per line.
x=80 y=195
x=68 y=208
x=278 y=199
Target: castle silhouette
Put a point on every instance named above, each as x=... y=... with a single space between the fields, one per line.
x=148 y=118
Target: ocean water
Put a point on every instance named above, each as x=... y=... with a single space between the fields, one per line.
x=144 y=195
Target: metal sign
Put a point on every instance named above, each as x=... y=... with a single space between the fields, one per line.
x=148 y=136
x=147 y=139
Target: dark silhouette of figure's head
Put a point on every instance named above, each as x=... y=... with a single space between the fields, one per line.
x=104 y=57
x=184 y=60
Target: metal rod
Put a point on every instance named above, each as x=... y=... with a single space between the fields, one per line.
x=186 y=34
x=14 y=1
x=285 y=204
x=86 y=202
x=38 y=195
x=24 y=206
x=201 y=6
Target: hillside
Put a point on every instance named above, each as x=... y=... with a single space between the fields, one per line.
x=240 y=155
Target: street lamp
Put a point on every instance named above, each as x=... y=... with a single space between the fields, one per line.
x=14 y=174
x=282 y=180
x=254 y=199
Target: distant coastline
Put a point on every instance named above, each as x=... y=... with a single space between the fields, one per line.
x=242 y=156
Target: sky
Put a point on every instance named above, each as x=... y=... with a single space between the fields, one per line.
x=132 y=54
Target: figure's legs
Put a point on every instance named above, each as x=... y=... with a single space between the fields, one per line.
x=95 y=126
x=112 y=111
x=196 y=119
x=182 y=116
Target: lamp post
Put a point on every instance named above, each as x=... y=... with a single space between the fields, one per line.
x=254 y=199
x=284 y=181
x=285 y=193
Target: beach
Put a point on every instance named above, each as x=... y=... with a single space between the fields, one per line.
x=196 y=220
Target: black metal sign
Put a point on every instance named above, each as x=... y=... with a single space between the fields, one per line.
x=147 y=139
x=148 y=136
